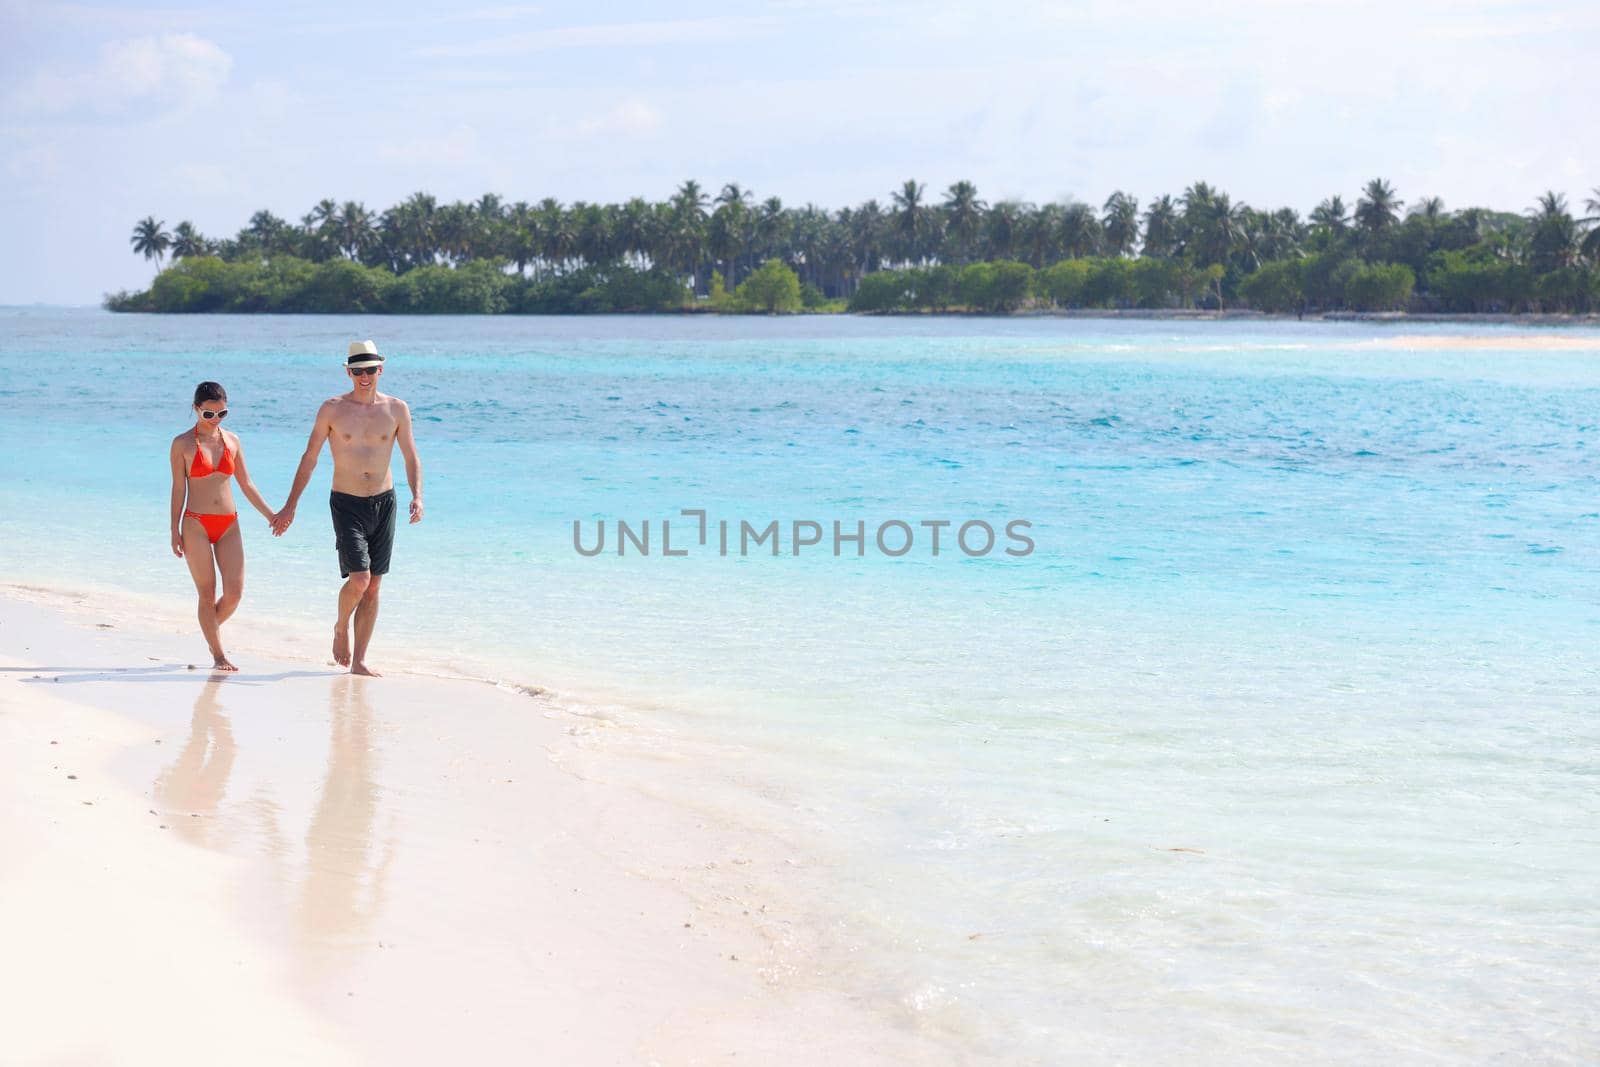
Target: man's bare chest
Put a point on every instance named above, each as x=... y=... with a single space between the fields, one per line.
x=364 y=431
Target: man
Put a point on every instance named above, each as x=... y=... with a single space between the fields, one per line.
x=361 y=428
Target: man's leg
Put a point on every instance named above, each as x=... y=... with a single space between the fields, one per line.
x=350 y=594
x=351 y=541
x=379 y=542
x=366 y=619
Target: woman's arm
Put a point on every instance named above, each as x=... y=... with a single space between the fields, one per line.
x=180 y=490
x=246 y=486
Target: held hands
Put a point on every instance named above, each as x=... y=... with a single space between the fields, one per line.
x=281 y=521
x=416 y=510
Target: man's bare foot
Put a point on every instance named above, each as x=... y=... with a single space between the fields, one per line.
x=222 y=663
x=364 y=670
x=341 y=645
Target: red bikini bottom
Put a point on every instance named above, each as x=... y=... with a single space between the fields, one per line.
x=215 y=525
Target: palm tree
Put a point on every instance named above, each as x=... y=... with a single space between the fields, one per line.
x=593 y=232
x=868 y=236
x=323 y=215
x=835 y=262
x=1120 y=223
x=631 y=231
x=320 y=226
x=1269 y=235
x=690 y=200
x=808 y=233
x=1161 y=228
x=1195 y=201
x=1553 y=244
x=1378 y=208
x=1080 y=231
x=1222 y=230
x=1002 y=229
x=772 y=229
x=187 y=241
x=417 y=230
x=685 y=237
x=1041 y=234
x=909 y=221
x=355 y=229
x=558 y=236
x=1591 y=225
x=150 y=240
x=267 y=232
x=489 y=236
x=1331 y=215
x=963 y=213
x=519 y=244
x=1429 y=207
x=453 y=227
x=730 y=232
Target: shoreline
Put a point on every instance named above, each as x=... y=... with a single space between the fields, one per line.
x=1485 y=318
x=330 y=889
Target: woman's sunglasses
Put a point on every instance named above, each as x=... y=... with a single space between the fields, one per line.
x=209 y=415
x=363 y=371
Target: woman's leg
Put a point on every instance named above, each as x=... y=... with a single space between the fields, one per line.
x=230 y=563
x=197 y=553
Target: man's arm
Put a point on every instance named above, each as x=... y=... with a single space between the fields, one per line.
x=408 y=450
x=308 y=463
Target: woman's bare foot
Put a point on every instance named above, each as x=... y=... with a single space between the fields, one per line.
x=341 y=645
x=221 y=663
x=364 y=670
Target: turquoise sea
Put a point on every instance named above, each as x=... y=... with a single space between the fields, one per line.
x=1282 y=742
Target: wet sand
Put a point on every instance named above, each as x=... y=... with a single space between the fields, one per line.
x=293 y=865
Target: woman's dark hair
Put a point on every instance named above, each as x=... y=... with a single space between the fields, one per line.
x=209 y=391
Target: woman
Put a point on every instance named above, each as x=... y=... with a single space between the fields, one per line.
x=205 y=524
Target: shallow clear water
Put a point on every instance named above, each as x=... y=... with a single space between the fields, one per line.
x=1313 y=601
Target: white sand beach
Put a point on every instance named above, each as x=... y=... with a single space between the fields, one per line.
x=293 y=865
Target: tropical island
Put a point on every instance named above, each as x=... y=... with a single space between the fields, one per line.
x=693 y=252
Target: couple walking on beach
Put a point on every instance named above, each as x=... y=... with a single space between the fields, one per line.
x=361 y=428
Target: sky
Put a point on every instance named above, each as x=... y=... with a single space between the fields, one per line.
x=109 y=113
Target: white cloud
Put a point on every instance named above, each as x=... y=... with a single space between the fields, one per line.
x=632 y=116
x=36 y=163
x=167 y=72
x=204 y=179
x=458 y=146
x=179 y=64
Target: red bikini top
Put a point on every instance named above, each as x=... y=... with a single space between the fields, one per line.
x=202 y=467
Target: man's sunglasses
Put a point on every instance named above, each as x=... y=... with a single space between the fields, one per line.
x=362 y=371
x=209 y=415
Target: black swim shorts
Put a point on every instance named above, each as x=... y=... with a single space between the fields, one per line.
x=363 y=530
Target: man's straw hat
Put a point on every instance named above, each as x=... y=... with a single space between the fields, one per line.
x=363 y=354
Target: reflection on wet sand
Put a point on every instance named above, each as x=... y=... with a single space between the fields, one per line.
x=342 y=890
x=193 y=786
x=330 y=907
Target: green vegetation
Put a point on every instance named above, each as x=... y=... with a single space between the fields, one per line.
x=772 y=288
x=482 y=287
x=729 y=254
